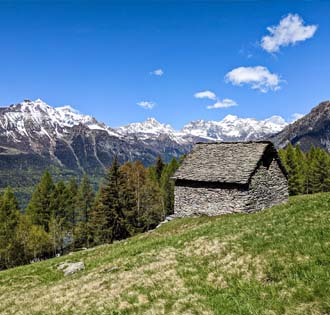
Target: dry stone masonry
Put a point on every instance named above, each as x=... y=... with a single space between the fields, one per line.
x=221 y=178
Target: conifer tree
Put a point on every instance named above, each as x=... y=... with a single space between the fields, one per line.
x=108 y=222
x=159 y=166
x=133 y=178
x=39 y=208
x=72 y=188
x=152 y=203
x=302 y=168
x=295 y=177
x=321 y=172
x=9 y=218
x=327 y=179
x=167 y=185
x=84 y=203
x=99 y=228
x=61 y=216
x=310 y=180
x=60 y=203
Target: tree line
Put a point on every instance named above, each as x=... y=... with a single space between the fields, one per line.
x=67 y=216
x=309 y=172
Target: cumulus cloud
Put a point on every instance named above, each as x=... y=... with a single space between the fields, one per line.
x=296 y=116
x=157 y=72
x=225 y=103
x=146 y=104
x=290 y=30
x=206 y=94
x=258 y=78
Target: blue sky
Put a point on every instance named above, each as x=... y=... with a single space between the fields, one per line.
x=98 y=56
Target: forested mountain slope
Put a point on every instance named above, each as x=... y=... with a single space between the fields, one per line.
x=271 y=262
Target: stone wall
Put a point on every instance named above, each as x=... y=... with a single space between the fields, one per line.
x=268 y=187
x=195 y=200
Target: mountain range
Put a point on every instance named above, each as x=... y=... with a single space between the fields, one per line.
x=64 y=137
x=35 y=136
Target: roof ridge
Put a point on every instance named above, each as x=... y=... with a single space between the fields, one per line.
x=237 y=142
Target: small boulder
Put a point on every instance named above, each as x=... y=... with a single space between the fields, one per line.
x=71 y=268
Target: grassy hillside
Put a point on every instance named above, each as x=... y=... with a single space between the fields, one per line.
x=273 y=262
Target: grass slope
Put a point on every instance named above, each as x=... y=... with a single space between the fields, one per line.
x=272 y=262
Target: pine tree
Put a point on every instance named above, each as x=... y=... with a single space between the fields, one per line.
x=9 y=218
x=302 y=168
x=83 y=208
x=60 y=203
x=295 y=178
x=310 y=180
x=327 y=179
x=39 y=208
x=167 y=185
x=152 y=203
x=159 y=166
x=99 y=227
x=72 y=188
x=108 y=221
x=61 y=215
x=133 y=178
x=321 y=171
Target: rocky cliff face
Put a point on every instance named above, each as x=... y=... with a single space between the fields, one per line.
x=312 y=129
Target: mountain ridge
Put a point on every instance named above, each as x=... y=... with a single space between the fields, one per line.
x=33 y=126
x=35 y=136
x=312 y=129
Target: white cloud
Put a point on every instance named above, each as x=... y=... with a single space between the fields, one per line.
x=290 y=30
x=206 y=94
x=157 y=72
x=296 y=116
x=259 y=78
x=146 y=104
x=225 y=103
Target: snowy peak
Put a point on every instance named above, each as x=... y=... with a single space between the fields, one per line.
x=150 y=126
x=150 y=129
x=233 y=128
x=33 y=118
x=51 y=119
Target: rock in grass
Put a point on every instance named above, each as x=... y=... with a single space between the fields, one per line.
x=71 y=268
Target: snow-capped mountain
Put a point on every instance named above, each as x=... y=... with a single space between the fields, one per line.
x=151 y=129
x=20 y=119
x=233 y=128
x=35 y=136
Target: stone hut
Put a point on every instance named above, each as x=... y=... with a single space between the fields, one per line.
x=228 y=177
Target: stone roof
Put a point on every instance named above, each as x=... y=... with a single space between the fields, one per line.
x=225 y=162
